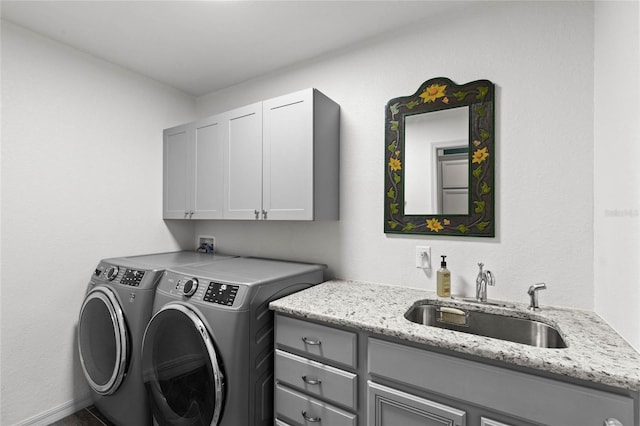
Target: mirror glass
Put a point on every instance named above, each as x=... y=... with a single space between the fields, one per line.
x=439 y=160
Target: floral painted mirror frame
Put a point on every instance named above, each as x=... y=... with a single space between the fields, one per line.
x=435 y=95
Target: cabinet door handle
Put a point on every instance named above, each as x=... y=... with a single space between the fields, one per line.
x=311 y=381
x=310 y=419
x=264 y=214
x=612 y=422
x=257 y=213
x=309 y=341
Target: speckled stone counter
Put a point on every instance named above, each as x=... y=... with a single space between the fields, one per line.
x=595 y=352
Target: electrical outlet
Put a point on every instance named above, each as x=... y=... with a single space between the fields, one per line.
x=205 y=239
x=423 y=257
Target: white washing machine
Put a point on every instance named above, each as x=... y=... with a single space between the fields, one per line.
x=207 y=353
x=114 y=314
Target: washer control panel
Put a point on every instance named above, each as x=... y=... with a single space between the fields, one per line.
x=222 y=294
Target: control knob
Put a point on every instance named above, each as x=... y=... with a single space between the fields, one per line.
x=112 y=273
x=190 y=287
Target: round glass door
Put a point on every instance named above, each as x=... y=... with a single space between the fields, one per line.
x=180 y=369
x=103 y=341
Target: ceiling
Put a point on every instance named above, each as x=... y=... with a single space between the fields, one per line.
x=204 y=46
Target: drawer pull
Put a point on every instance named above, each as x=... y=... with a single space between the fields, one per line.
x=309 y=341
x=311 y=381
x=310 y=419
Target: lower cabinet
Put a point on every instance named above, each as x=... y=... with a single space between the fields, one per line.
x=391 y=407
x=316 y=380
x=518 y=398
x=332 y=376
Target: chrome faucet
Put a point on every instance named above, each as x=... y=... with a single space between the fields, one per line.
x=533 y=293
x=484 y=278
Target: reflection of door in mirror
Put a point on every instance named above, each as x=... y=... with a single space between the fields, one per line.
x=437 y=162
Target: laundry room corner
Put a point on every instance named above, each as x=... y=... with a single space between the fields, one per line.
x=81 y=181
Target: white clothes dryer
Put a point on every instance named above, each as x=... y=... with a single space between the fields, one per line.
x=207 y=353
x=115 y=311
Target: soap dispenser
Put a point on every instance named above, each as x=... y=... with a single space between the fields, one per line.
x=444 y=279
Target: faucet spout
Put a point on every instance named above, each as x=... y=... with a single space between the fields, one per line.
x=483 y=279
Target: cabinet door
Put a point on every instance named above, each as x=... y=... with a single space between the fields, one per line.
x=391 y=407
x=288 y=156
x=207 y=192
x=243 y=162
x=177 y=164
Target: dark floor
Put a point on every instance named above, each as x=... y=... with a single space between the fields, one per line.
x=88 y=417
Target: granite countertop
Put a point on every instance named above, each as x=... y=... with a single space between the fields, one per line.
x=595 y=352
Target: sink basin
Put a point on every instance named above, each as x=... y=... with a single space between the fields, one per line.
x=520 y=330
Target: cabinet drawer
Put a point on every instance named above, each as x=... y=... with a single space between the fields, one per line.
x=488 y=422
x=389 y=407
x=538 y=399
x=317 y=379
x=328 y=343
x=294 y=406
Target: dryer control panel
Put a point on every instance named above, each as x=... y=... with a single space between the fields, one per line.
x=222 y=294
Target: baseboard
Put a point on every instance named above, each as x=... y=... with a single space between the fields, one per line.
x=57 y=413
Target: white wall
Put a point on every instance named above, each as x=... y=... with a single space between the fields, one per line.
x=617 y=175
x=81 y=180
x=540 y=56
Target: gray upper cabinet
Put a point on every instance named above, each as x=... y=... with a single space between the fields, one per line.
x=276 y=160
x=300 y=161
x=243 y=162
x=192 y=170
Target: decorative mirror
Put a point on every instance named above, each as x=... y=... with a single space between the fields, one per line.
x=439 y=160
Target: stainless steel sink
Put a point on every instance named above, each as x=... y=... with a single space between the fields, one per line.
x=520 y=330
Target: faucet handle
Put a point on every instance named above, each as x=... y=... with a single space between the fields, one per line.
x=490 y=279
x=533 y=292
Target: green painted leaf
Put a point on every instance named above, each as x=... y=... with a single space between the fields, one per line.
x=479 y=206
x=485 y=189
x=460 y=95
x=462 y=229
x=392 y=146
x=482 y=92
x=394 y=125
x=484 y=135
x=391 y=193
x=477 y=172
x=408 y=227
x=392 y=224
x=481 y=110
x=482 y=225
x=394 y=208
x=413 y=104
x=397 y=178
x=395 y=108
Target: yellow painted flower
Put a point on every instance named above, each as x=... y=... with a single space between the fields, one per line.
x=395 y=164
x=480 y=155
x=434 y=225
x=433 y=92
